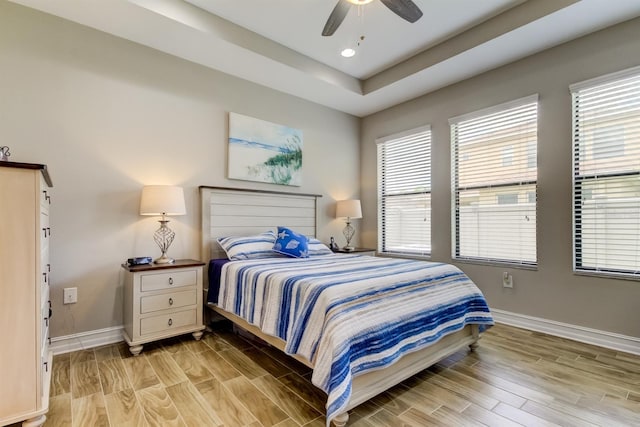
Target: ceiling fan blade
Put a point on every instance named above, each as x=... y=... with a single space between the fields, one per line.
x=405 y=9
x=336 y=17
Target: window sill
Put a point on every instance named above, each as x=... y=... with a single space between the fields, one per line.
x=500 y=264
x=607 y=275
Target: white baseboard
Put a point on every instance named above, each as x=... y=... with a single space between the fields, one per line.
x=565 y=330
x=99 y=337
x=85 y=340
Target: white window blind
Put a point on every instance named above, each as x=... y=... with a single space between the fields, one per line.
x=404 y=193
x=606 y=174
x=494 y=177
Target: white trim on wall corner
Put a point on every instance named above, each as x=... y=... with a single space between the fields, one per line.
x=85 y=340
x=606 y=339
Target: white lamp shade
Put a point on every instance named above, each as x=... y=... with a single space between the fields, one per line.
x=348 y=208
x=162 y=200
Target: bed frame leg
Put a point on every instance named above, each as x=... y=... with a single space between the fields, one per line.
x=475 y=333
x=341 y=419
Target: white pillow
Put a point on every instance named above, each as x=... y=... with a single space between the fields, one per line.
x=316 y=247
x=249 y=247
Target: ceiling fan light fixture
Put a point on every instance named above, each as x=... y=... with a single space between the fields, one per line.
x=348 y=52
x=405 y=9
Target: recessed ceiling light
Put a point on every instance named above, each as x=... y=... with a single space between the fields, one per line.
x=359 y=2
x=348 y=52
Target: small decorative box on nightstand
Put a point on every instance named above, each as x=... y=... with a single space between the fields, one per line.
x=162 y=301
x=359 y=251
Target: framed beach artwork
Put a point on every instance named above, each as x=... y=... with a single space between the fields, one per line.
x=264 y=152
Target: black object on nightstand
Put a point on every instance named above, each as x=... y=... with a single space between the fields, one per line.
x=142 y=260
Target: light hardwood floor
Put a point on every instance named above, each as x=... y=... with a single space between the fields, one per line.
x=515 y=377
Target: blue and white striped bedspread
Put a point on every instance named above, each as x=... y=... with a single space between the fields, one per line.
x=351 y=314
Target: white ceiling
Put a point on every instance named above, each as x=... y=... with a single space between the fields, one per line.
x=278 y=43
x=297 y=24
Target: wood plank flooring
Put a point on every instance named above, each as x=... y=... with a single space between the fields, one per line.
x=514 y=378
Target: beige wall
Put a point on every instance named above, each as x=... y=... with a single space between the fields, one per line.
x=108 y=116
x=552 y=291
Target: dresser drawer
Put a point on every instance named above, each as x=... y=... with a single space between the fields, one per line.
x=45 y=199
x=44 y=325
x=165 y=322
x=45 y=230
x=44 y=299
x=45 y=320
x=168 y=280
x=45 y=269
x=168 y=300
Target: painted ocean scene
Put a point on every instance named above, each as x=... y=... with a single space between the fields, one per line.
x=263 y=151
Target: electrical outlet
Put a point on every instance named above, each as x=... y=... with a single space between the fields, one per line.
x=70 y=295
x=507 y=280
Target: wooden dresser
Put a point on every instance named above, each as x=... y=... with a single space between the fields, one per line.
x=25 y=359
x=161 y=301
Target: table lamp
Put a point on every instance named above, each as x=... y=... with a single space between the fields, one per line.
x=164 y=200
x=349 y=209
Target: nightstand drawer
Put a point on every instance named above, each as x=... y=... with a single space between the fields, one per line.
x=174 y=279
x=166 y=322
x=169 y=300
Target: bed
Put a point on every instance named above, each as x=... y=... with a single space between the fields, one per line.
x=306 y=306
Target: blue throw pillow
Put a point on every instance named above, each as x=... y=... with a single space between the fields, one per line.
x=292 y=244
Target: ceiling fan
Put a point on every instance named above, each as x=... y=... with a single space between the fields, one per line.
x=405 y=9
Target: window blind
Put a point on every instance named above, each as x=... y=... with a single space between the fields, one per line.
x=494 y=181
x=404 y=193
x=606 y=174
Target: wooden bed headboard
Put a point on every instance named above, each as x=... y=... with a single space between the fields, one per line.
x=243 y=212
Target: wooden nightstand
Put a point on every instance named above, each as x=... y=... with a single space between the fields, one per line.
x=161 y=301
x=359 y=251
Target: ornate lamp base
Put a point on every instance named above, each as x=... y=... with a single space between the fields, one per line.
x=164 y=259
x=164 y=237
x=348 y=232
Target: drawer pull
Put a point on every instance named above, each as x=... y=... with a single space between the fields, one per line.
x=46 y=321
x=46 y=366
x=170 y=322
x=48 y=268
x=45 y=232
x=50 y=310
x=170 y=301
x=171 y=280
x=45 y=277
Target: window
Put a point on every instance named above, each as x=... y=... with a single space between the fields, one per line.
x=508 y=199
x=507 y=156
x=532 y=155
x=494 y=202
x=606 y=174
x=615 y=148
x=404 y=193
